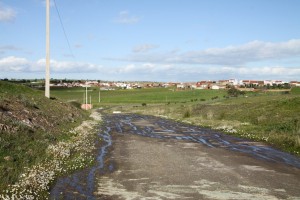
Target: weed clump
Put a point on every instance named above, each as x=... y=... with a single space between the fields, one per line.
x=187 y=114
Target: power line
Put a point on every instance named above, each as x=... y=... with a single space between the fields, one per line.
x=62 y=25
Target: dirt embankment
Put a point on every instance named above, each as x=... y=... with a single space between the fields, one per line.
x=29 y=123
x=29 y=110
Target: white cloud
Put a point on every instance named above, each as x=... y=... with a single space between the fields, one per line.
x=144 y=48
x=15 y=64
x=125 y=18
x=256 y=71
x=66 y=67
x=149 y=71
x=254 y=51
x=165 y=72
x=145 y=68
x=7 y=14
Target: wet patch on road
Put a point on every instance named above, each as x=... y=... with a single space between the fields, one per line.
x=81 y=185
x=154 y=127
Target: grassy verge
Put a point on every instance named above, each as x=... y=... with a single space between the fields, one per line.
x=61 y=158
x=271 y=118
x=34 y=131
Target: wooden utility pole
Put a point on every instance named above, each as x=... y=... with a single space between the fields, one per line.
x=47 y=79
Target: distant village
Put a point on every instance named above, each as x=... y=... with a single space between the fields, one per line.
x=214 y=85
x=246 y=85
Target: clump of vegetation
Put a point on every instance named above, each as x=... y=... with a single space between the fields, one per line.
x=233 y=92
x=144 y=104
x=187 y=113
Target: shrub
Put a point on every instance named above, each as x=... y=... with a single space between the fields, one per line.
x=187 y=114
x=233 y=92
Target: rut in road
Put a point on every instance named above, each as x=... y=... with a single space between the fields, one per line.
x=83 y=184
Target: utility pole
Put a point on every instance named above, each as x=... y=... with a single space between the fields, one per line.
x=47 y=79
x=86 y=97
x=83 y=98
x=99 y=95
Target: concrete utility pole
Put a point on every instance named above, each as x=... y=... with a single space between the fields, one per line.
x=86 y=97
x=99 y=95
x=47 y=79
x=83 y=98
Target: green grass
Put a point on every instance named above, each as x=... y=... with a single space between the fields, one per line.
x=136 y=96
x=295 y=90
x=29 y=122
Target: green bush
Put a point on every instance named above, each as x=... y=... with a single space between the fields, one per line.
x=233 y=92
x=187 y=114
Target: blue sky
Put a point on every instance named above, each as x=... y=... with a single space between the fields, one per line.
x=157 y=40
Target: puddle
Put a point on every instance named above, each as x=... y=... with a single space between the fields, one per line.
x=81 y=184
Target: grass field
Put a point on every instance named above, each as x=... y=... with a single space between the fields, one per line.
x=136 y=96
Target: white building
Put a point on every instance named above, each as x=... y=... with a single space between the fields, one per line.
x=215 y=87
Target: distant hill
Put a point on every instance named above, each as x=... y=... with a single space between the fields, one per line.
x=29 y=122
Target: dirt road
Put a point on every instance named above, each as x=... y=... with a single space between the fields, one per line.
x=153 y=158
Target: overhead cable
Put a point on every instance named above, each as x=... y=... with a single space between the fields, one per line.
x=62 y=25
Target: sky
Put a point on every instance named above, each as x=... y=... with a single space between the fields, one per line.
x=154 y=40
